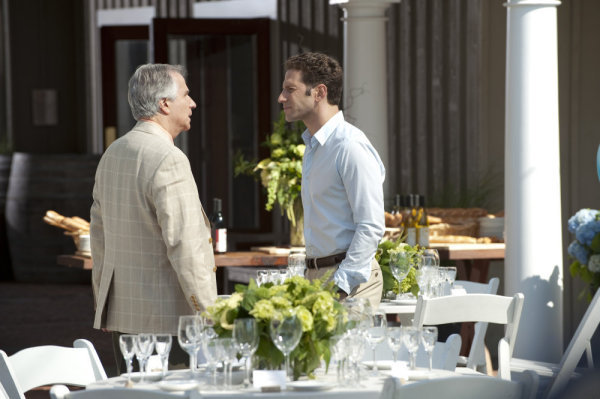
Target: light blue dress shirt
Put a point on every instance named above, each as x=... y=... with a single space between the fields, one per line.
x=342 y=196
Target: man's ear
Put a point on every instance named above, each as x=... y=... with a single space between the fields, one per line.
x=163 y=106
x=321 y=92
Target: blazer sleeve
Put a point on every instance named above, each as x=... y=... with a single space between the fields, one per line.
x=97 y=244
x=185 y=229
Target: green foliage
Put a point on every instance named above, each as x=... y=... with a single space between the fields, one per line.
x=281 y=173
x=314 y=303
x=478 y=196
x=383 y=254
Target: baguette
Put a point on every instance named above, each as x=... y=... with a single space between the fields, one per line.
x=74 y=224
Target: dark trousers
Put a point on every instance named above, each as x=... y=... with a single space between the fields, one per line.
x=178 y=358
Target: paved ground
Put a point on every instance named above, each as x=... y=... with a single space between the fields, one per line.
x=56 y=314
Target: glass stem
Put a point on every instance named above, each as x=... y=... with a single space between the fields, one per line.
x=229 y=372
x=430 y=361
x=374 y=362
x=129 y=368
x=413 y=360
x=395 y=354
x=248 y=365
x=287 y=366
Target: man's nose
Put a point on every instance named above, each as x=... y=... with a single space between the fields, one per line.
x=281 y=98
x=192 y=104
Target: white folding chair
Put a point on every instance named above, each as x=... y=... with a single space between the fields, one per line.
x=62 y=392
x=477 y=353
x=580 y=342
x=45 y=365
x=476 y=307
x=445 y=354
x=459 y=388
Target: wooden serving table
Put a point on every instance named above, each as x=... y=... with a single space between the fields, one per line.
x=472 y=261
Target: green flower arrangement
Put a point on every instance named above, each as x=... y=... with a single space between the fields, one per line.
x=384 y=252
x=314 y=303
x=281 y=173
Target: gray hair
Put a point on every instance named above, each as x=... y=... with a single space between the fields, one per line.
x=148 y=85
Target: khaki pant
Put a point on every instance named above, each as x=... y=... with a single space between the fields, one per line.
x=370 y=290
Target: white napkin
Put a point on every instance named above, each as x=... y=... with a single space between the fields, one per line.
x=390 y=387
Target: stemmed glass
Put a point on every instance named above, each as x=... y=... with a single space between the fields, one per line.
x=229 y=353
x=429 y=338
x=144 y=346
x=127 y=345
x=355 y=345
x=285 y=334
x=162 y=344
x=245 y=335
x=374 y=334
x=189 y=335
x=400 y=265
x=297 y=264
x=394 y=339
x=262 y=276
x=430 y=257
x=337 y=343
x=410 y=339
x=213 y=351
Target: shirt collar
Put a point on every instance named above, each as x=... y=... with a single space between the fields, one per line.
x=323 y=134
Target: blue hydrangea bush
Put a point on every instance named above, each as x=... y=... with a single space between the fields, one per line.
x=585 y=249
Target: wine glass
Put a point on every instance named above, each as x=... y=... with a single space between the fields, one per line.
x=297 y=263
x=262 y=276
x=188 y=335
x=144 y=346
x=355 y=346
x=410 y=339
x=430 y=257
x=127 y=345
x=400 y=265
x=213 y=353
x=375 y=334
x=429 y=338
x=394 y=340
x=229 y=353
x=285 y=334
x=338 y=352
x=245 y=335
x=162 y=344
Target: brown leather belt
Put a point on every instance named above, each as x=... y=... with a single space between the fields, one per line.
x=316 y=263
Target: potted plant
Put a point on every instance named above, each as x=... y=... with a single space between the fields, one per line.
x=281 y=172
x=585 y=249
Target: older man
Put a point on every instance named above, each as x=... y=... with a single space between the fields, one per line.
x=151 y=240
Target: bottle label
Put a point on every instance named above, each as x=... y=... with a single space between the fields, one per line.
x=411 y=236
x=423 y=236
x=221 y=240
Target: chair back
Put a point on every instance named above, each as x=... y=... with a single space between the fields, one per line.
x=476 y=356
x=460 y=387
x=62 y=392
x=46 y=365
x=476 y=308
x=579 y=344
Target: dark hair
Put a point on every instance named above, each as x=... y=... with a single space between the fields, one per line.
x=318 y=69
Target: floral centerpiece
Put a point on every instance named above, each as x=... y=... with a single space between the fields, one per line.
x=385 y=250
x=281 y=172
x=585 y=249
x=314 y=303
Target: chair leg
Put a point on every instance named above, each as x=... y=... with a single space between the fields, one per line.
x=489 y=368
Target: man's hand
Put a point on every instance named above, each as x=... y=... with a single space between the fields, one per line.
x=342 y=294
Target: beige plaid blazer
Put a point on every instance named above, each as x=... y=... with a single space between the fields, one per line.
x=151 y=242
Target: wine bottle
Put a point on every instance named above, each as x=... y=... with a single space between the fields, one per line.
x=422 y=223
x=411 y=221
x=396 y=208
x=218 y=228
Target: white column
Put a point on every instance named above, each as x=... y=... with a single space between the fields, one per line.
x=365 y=72
x=533 y=263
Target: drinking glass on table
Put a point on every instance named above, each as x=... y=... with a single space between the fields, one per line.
x=394 y=340
x=213 y=351
x=262 y=276
x=429 y=338
x=189 y=333
x=127 y=345
x=283 y=275
x=410 y=339
x=375 y=334
x=229 y=353
x=285 y=334
x=144 y=346
x=245 y=335
x=400 y=265
x=337 y=344
x=355 y=346
x=430 y=257
x=297 y=263
x=162 y=344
